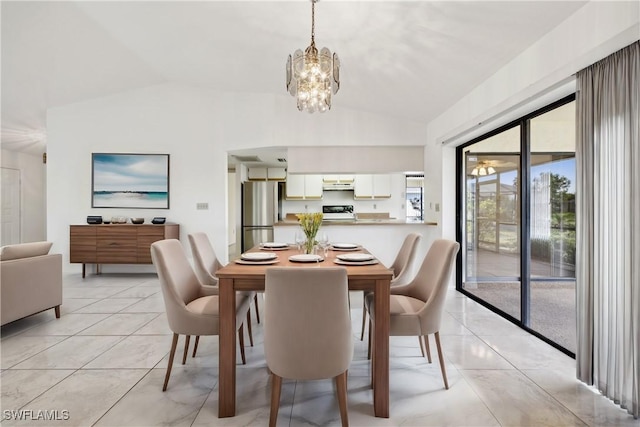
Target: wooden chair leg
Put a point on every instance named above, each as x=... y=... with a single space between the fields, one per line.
x=276 y=387
x=255 y=302
x=427 y=347
x=370 y=337
x=186 y=348
x=249 y=327
x=364 y=320
x=421 y=345
x=241 y=340
x=195 y=345
x=442 y=368
x=341 y=386
x=57 y=310
x=172 y=352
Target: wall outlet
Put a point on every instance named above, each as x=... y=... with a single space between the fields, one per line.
x=202 y=206
x=375 y=206
x=437 y=207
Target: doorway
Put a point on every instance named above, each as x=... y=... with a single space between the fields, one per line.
x=516 y=202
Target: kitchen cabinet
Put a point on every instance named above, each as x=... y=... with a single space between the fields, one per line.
x=304 y=187
x=264 y=174
x=372 y=186
x=337 y=178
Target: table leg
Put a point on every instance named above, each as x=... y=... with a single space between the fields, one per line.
x=227 y=352
x=381 y=350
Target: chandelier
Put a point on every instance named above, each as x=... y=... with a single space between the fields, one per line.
x=313 y=77
x=483 y=169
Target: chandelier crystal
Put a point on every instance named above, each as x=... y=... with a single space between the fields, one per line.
x=312 y=76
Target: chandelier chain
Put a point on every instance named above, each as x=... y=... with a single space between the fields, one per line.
x=313 y=21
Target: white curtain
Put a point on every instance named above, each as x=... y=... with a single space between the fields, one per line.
x=608 y=227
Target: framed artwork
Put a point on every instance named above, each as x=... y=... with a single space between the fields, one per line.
x=122 y=180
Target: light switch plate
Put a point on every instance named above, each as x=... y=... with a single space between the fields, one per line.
x=202 y=206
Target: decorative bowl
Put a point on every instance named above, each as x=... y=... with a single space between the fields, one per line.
x=137 y=220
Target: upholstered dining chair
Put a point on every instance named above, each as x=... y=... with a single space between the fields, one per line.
x=400 y=267
x=303 y=340
x=416 y=308
x=206 y=264
x=192 y=308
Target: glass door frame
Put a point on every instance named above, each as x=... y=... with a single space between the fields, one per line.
x=525 y=218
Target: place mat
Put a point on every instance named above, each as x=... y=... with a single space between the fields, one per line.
x=247 y=262
x=370 y=262
x=355 y=257
x=279 y=248
x=274 y=245
x=345 y=246
x=258 y=256
x=306 y=258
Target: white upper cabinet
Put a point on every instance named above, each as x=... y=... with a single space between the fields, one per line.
x=304 y=186
x=271 y=174
x=337 y=178
x=376 y=186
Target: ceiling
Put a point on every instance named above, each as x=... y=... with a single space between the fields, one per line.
x=409 y=59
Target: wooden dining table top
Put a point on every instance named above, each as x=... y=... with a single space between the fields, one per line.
x=236 y=270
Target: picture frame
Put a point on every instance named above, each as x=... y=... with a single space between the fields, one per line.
x=130 y=180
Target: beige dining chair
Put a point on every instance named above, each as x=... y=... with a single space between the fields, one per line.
x=307 y=329
x=400 y=267
x=206 y=264
x=192 y=308
x=416 y=308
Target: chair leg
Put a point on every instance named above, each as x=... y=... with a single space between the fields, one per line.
x=341 y=386
x=427 y=347
x=370 y=338
x=255 y=302
x=241 y=340
x=364 y=319
x=442 y=368
x=421 y=345
x=276 y=387
x=57 y=311
x=249 y=327
x=195 y=345
x=172 y=353
x=186 y=348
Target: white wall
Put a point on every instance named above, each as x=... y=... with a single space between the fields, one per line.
x=33 y=197
x=196 y=128
x=541 y=74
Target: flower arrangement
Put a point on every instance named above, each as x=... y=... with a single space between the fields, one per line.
x=310 y=223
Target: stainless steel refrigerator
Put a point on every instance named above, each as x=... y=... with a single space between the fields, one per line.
x=259 y=212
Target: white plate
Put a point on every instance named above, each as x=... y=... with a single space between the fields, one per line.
x=258 y=256
x=344 y=246
x=274 y=245
x=306 y=258
x=267 y=262
x=355 y=257
x=370 y=262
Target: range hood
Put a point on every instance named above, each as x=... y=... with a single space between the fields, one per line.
x=337 y=186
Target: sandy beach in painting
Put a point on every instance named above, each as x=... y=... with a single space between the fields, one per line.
x=115 y=199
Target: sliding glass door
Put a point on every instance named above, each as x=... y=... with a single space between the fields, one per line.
x=517 y=227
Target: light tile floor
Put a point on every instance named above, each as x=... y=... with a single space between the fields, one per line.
x=103 y=363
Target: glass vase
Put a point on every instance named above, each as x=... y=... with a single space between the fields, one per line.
x=309 y=244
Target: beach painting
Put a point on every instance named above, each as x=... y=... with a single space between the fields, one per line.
x=130 y=180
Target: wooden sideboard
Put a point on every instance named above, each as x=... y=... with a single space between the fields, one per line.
x=116 y=243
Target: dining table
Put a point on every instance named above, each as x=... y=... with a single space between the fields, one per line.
x=240 y=275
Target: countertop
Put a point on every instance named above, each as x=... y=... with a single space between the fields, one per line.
x=385 y=221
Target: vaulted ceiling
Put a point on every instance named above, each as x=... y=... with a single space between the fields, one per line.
x=410 y=59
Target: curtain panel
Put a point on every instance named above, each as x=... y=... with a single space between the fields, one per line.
x=608 y=227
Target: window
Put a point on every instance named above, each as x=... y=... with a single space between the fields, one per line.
x=415 y=197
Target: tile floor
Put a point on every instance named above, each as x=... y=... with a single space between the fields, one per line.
x=103 y=363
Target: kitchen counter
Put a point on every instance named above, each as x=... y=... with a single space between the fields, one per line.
x=385 y=221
